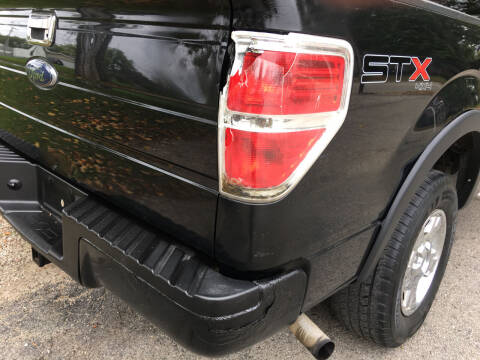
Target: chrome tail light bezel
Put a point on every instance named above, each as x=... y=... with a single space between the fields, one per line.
x=331 y=121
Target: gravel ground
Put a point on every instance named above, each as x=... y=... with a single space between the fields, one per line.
x=45 y=315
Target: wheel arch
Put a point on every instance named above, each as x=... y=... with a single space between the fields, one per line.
x=462 y=162
x=465 y=125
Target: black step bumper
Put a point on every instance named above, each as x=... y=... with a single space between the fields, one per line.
x=170 y=284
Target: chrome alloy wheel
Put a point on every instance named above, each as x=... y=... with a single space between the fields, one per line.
x=424 y=260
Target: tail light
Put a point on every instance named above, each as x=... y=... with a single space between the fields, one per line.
x=285 y=99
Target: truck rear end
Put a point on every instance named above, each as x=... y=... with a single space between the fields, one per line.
x=225 y=166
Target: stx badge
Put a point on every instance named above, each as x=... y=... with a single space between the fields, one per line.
x=376 y=68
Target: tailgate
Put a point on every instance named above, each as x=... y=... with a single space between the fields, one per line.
x=133 y=118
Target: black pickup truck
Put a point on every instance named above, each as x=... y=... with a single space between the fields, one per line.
x=225 y=165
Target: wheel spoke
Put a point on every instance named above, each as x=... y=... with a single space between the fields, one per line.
x=413 y=278
x=411 y=300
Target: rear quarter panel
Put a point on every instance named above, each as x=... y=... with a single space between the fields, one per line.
x=330 y=217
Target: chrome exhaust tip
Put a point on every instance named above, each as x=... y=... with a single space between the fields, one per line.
x=314 y=339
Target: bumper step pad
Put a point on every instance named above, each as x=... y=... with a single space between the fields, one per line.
x=173 y=286
x=168 y=266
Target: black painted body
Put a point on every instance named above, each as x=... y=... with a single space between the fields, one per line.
x=134 y=120
x=330 y=217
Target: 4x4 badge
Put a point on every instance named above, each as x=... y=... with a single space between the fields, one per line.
x=376 y=68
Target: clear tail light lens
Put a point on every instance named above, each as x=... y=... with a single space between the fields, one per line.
x=285 y=99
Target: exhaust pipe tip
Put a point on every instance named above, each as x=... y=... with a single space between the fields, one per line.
x=314 y=339
x=323 y=349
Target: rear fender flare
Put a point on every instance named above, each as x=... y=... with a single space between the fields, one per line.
x=466 y=123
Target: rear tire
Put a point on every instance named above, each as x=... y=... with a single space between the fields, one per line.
x=373 y=309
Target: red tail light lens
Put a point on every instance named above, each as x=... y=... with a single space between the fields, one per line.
x=285 y=99
x=263 y=160
x=278 y=83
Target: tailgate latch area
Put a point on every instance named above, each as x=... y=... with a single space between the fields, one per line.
x=41 y=28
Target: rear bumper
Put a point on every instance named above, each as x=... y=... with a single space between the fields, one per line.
x=175 y=288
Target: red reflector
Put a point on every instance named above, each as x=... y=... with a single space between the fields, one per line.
x=263 y=160
x=282 y=83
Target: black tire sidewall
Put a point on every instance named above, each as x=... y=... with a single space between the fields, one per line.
x=442 y=197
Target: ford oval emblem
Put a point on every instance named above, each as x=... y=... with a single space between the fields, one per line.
x=41 y=73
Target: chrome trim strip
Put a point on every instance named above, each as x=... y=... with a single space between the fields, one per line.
x=128 y=101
